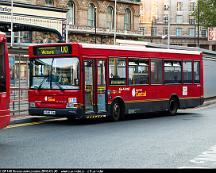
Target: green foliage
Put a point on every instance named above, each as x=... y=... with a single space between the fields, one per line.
x=206 y=13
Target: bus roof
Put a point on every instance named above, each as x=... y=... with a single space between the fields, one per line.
x=139 y=48
x=126 y=47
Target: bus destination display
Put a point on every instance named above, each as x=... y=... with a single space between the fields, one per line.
x=52 y=50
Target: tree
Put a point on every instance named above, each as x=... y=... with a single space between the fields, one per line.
x=205 y=13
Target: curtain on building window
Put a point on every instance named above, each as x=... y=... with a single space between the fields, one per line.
x=71 y=13
x=127 y=20
x=110 y=18
x=91 y=15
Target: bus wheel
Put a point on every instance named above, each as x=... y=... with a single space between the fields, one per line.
x=115 y=113
x=173 y=106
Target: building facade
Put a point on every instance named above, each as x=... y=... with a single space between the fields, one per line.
x=84 y=15
x=80 y=19
x=154 y=17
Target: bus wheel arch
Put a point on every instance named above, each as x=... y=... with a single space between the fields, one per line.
x=117 y=109
x=173 y=105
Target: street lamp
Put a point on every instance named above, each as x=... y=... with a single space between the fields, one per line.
x=95 y=23
x=115 y=23
x=169 y=21
x=198 y=25
x=11 y=30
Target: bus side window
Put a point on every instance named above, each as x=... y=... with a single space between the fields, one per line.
x=156 y=71
x=2 y=69
x=172 y=71
x=187 y=71
x=196 y=72
x=138 y=71
x=117 y=71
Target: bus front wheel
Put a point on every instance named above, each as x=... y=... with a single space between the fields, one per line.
x=115 y=112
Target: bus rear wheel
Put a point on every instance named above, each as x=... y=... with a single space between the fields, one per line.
x=116 y=111
x=173 y=106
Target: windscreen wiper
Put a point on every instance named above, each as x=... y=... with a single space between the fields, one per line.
x=40 y=86
x=59 y=85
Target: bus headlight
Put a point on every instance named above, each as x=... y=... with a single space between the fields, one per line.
x=32 y=104
x=73 y=105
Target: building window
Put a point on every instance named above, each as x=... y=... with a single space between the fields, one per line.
x=154 y=31
x=172 y=71
x=187 y=71
x=156 y=71
x=127 y=20
x=179 y=19
x=49 y=2
x=203 y=33
x=71 y=13
x=142 y=30
x=91 y=15
x=192 y=32
x=179 y=6
x=192 y=21
x=165 y=19
x=165 y=31
x=110 y=18
x=166 y=7
x=138 y=71
x=117 y=71
x=178 y=32
x=192 y=6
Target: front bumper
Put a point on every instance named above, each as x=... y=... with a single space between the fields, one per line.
x=71 y=113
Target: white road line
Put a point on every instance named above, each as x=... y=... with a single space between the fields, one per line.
x=206 y=159
x=208 y=156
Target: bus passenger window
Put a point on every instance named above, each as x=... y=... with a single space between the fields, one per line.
x=172 y=72
x=196 y=72
x=187 y=71
x=2 y=69
x=138 y=71
x=156 y=71
x=117 y=71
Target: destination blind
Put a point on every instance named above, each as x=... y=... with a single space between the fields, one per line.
x=52 y=50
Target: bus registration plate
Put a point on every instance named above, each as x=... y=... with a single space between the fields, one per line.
x=47 y=112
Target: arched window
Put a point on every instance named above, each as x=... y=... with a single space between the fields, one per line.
x=49 y=2
x=110 y=18
x=127 y=20
x=71 y=13
x=91 y=15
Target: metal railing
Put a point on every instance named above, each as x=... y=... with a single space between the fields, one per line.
x=19 y=101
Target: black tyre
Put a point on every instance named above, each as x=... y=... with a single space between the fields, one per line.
x=173 y=106
x=116 y=111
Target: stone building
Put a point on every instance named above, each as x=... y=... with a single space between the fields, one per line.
x=81 y=16
x=154 y=16
x=81 y=20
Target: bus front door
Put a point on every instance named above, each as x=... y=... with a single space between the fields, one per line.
x=95 y=86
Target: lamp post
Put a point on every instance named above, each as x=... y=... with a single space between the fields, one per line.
x=114 y=41
x=169 y=21
x=198 y=25
x=95 y=23
x=12 y=37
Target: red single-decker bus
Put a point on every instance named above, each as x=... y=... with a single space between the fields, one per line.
x=89 y=81
x=4 y=83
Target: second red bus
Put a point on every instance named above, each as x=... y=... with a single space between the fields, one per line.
x=4 y=83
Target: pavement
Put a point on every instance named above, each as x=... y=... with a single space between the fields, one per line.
x=18 y=119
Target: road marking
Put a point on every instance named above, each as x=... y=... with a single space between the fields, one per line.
x=207 y=157
x=23 y=125
x=34 y=123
